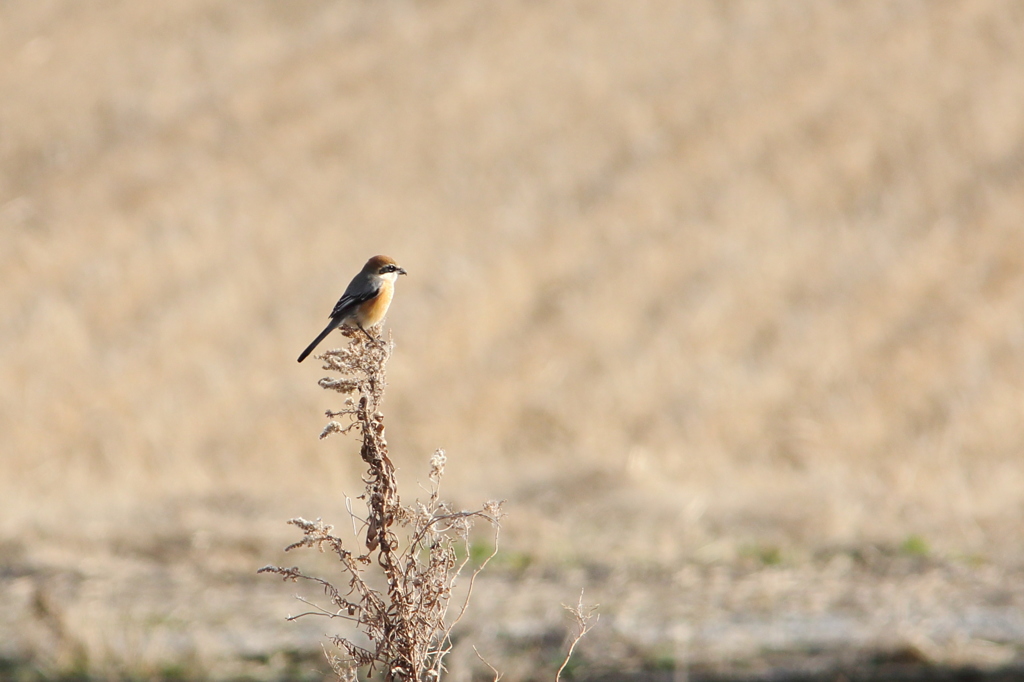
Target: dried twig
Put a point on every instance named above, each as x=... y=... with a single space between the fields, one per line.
x=497 y=675
x=586 y=618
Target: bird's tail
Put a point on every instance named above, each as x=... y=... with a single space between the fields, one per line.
x=316 y=342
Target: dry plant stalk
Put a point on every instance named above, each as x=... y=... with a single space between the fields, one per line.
x=586 y=618
x=406 y=624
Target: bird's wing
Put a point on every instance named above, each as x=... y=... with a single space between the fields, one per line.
x=353 y=297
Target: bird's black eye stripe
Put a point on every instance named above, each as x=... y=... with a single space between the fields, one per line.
x=388 y=268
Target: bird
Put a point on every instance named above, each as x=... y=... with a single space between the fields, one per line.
x=365 y=301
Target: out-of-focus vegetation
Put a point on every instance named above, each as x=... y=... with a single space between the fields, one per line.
x=689 y=282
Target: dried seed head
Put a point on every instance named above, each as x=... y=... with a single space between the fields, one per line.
x=437 y=462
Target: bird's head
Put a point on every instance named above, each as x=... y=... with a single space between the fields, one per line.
x=384 y=266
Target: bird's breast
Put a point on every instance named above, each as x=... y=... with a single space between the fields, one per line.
x=373 y=311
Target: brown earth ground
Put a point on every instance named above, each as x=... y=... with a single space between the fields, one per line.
x=725 y=299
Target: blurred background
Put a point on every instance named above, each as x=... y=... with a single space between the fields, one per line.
x=723 y=297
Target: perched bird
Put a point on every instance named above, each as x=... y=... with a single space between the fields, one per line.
x=365 y=301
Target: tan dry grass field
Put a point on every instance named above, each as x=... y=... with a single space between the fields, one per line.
x=690 y=283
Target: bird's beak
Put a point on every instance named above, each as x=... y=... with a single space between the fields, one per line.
x=401 y=271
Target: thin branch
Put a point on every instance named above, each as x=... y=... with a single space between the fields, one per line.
x=321 y=611
x=586 y=619
x=497 y=675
